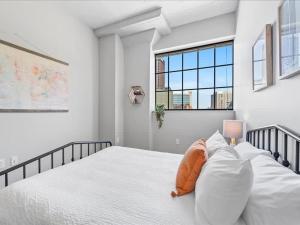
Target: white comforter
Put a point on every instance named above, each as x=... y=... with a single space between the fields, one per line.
x=114 y=186
x=119 y=186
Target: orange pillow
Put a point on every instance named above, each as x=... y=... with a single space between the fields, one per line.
x=190 y=168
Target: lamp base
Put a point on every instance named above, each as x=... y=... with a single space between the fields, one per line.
x=232 y=142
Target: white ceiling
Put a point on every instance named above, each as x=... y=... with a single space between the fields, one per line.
x=99 y=13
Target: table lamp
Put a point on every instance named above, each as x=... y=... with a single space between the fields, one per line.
x=233 y=129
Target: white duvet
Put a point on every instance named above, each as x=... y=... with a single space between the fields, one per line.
x=114 y=186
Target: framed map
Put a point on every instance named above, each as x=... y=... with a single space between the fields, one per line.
x=31 y=82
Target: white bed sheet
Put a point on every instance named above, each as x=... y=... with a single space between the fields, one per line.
x=114 y=186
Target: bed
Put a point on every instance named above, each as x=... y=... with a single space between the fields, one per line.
x=116 y=185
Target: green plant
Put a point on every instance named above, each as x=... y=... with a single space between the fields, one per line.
x=160 y=113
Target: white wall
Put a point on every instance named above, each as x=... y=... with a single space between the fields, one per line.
x=44 y=27
x=187 y=127
x=137 y=118
x=277 y=104
x=202 y=32
x=111 y=89
x=140 y=126
x=119 y=92
x=107 y=67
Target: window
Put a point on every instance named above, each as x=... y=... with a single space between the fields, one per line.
x=195 y=79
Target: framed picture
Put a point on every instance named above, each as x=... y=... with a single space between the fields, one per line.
x=31 y=82
x=289 y=40
x=262 y=60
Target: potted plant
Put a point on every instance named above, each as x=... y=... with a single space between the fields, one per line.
x=160 y=113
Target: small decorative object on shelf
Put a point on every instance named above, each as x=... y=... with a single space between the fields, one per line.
x=160 y=113
x=136 y=94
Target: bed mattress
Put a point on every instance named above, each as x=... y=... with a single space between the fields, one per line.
x=114 y=186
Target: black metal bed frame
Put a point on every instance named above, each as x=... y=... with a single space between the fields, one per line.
x=259 y=137
x=262 y=138
x=96 y=144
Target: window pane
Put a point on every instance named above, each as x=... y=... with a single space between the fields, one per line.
x=206 y=57
x=190 y=79
x=206 y=99
x=224 y=98
x=161 y=64
x=259 y=49
x=198 y=78
x=286 y=64
x=162 y=82
x=190 y=60
x=175 y=62
x=206 y=78
x=162 y=98
x=224 y=55
x=259 y=74
x=175 y=99
x=223 y=76
x=259 y=71
x=175 y=80
x=190 y=99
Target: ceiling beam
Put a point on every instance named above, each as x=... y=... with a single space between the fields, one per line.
x=138 y=23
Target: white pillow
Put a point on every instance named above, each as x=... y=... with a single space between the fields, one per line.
x=215 y=142
x=275 y=197
x=231 y=150
x=247 y=151
x=222 y=189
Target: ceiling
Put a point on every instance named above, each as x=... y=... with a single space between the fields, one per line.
x=100 y=13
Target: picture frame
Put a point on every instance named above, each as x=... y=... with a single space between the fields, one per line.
x=262 y=60
x=289 y=46
x=31 y=81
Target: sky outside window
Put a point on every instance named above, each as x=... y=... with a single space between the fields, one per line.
x=198 y=77
x=175 y=62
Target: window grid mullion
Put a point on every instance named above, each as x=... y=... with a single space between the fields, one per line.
x=198 y=79
x=205 y=67
x=193 y=89
x=168 y=81
x=155 y=63
x=232 y=76
x=216 y=45
x=214 y=77
x=182 y=61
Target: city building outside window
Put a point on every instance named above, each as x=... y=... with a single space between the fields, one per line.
x=195 y=79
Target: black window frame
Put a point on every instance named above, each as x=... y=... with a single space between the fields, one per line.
x=214 y=46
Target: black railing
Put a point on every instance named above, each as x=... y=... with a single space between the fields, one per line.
x=98 y=145
x=257 y=137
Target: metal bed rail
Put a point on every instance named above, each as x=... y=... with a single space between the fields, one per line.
x=263 y=137
x=92 y=147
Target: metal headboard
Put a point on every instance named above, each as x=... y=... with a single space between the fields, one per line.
x=97 y=146
x=264 y=137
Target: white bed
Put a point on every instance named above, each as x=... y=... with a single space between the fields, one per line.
x=114 y=186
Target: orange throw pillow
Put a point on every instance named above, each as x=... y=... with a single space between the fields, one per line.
x=190 y=167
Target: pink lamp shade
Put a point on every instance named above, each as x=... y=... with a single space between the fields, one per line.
x=233 y=129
